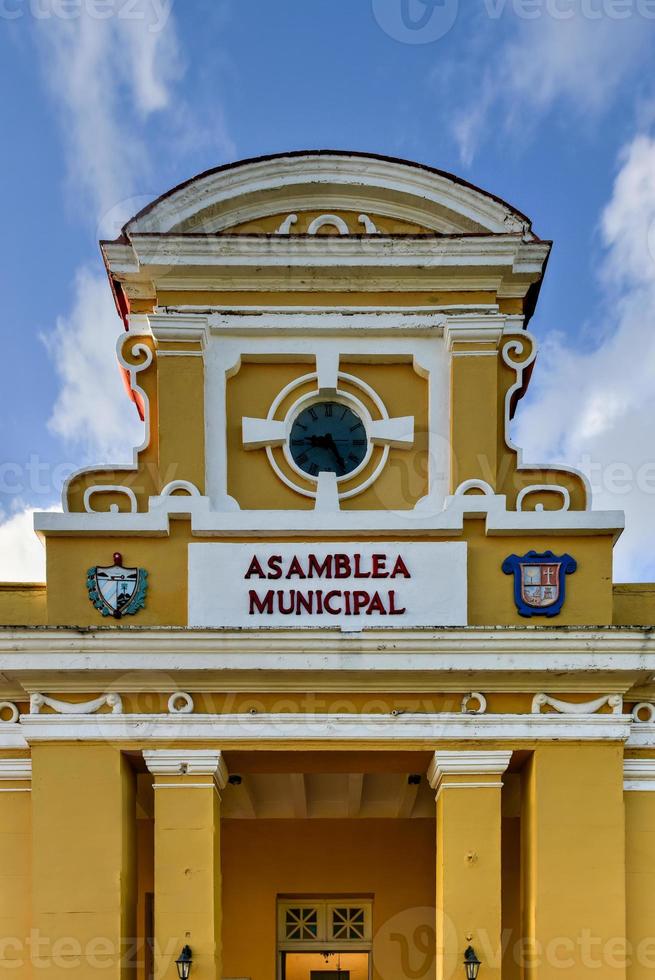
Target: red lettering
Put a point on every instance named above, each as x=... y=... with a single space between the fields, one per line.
x=400 y=568
x=275 y=566
x=380 y=566
x=292 y=602
x=392 y=606
x=317 y=570
x=258 y=605
x=305 y=601
x=342 y=567
x=376 y=606
x=327 y=602
x=255 y=569
x=361 y=600
x=358 y=573
x=295 y=568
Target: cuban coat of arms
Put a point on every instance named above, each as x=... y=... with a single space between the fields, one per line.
x=539 y=581
x=116 y=590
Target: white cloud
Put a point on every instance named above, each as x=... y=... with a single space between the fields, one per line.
x=539 y=65
x=92 y=409
x=596 y=409
x=106 y=76
x=22 y=556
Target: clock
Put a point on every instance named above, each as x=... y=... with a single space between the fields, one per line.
x=328 y=437
x=321 y=430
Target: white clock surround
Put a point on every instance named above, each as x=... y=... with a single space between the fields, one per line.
x=386 y=432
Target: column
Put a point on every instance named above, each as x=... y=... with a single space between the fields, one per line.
x=83 y=861
x=187 y=859
x=468 y=785
x=15 y=860
x=475 y=423
x=573 y=831
x=639 y=789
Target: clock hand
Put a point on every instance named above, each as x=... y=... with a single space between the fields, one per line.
x=332 y=446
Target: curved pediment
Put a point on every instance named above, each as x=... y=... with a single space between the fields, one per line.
x=397 y=197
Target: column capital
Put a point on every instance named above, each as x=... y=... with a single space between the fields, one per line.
x=639 y=775
x=463 y=762
x=187 y=762
x=15 y=769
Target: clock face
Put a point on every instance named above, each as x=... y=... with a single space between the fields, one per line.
x=328 y=437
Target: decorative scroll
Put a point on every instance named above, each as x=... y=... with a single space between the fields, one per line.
x=614 y=701
x=638 y=711
x=113 y=701
x=180 y=703
x=14 y=713
x=474 y=696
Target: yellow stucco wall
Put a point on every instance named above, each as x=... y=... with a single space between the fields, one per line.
x=15 y=879
x=83 y=859
x=393 y=860
x=640 y=883
x=573 y=840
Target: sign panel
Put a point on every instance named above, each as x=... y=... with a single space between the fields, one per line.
x=328 y=584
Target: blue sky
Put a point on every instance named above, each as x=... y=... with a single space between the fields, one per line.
x=549 y=104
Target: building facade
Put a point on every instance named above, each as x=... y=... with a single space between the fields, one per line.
x=330 y=682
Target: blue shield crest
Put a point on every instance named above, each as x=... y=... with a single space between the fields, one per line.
x=539 y=581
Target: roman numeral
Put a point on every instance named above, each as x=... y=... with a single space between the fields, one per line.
x=354 y=428
x=328 y=410
x=313 y=414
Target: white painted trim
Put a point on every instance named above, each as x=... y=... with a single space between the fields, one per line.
x=639 y=775
x=285 y=227
x=614 y=701
x=369 y=225
x=139 y=327
x=429 y=518
x=539 y=488
x=112 y=700
x=191 y=762
x=515 y=342
x=187 y=706
x=114 y=508
x=474 y=696
x=467 y=762
x=609 y=658
x=637 y=712
x=436 y=197
x=233 y=312
x=15 y=769
x=171 y=488
x=320 y=728
x=11 y=736
x=14 y=713
x=180 y=353
x=325 y=220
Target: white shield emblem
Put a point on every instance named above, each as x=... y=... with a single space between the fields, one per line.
x=117 y=591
